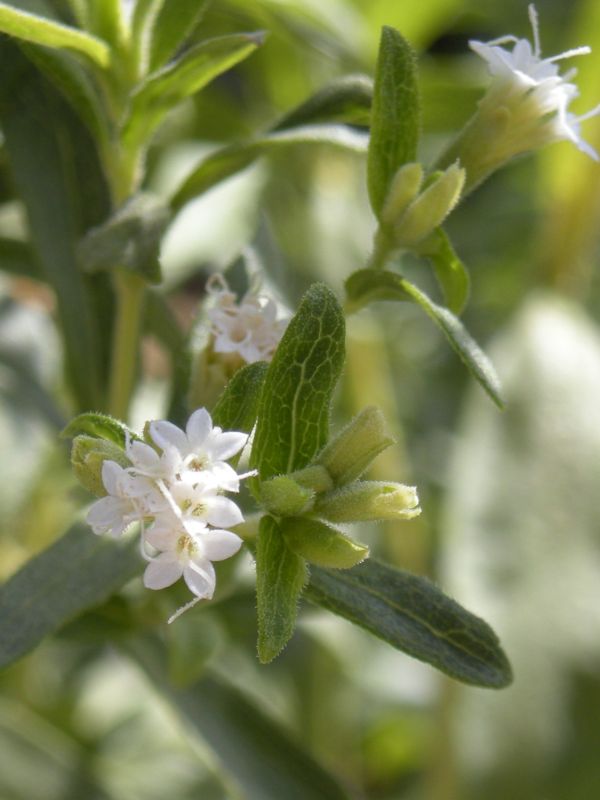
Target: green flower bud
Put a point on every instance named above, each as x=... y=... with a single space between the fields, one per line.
x=314 y=477
x=430 y=208
x=404 y=187
x=349 y=453
x=88 y=454
x=369 y=501
x=322 y=545
x=282 y=496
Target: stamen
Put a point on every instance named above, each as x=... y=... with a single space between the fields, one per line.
x=593 y=113
x=535 y=27
x=576 y=51
x=502 y=40
x=183 y=609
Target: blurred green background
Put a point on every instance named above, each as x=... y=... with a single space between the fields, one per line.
x=511 y=516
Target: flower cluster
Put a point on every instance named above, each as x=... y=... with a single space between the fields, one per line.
x=174 y=488
x=249 y=328
x=545 y=95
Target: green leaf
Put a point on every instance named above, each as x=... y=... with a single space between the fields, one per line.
x=74 y=574
x=293 y=414
x=412 y=614
x=56 y=171
x=395 y=116
x=172 y=25
x=321 y=544
x=76 y=85
x=369 y=285
x=226 y=162
x=105 y=18
x=450 y=271
x=280 y=577
x=99 y=425
x=129 y=239
x=253 y=750
x=164 y=89
x=16 y=258
x=346 y=100
x=236 y=408
x=41 y=30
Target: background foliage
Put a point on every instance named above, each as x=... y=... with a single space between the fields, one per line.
x=511 y=516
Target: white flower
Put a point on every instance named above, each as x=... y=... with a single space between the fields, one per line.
x=129 y=499
x=146 y=461
x=201 y=448
x=200 y=504
x=187 y=555
x=249 y=328
x=522 y=75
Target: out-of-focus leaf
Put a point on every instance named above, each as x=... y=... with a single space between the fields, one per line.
x=16 y=257
x=254 y=751
x=164 y=89
x=450 y=271
x=130 y=239
x=345 y=100
x=369 y=285
x=234 y=158
x=41 y=30
x=280 y=578
x=105 y=19
x=173 y=23
x=412 y=614
x=75 y=84
x=395 y=116
x=56 y=171
x=293 y=414
x=74 y=574
x=29 y=387
x=99 y=425
x=237 y=407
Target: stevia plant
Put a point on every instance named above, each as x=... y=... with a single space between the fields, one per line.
x=84 y=93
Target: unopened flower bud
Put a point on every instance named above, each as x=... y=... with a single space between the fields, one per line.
x=282 y=496
x=349 y=453
x=404 y=187
x=430 y=208
x=88 y=454
x=321 y=544
x=314 y=477
x=369 y=501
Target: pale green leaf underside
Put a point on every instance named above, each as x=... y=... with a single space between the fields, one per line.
x=226 y=162
x=293 y=416
x=76 y=573
x=40 y=30
x=450 y=271
x=369 y=285
x=412 y=614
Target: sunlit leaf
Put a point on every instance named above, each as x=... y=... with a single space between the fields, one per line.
x=237 y=407
x=450 y=271
x=346 y=100
x=171 y=26
x=99 y=425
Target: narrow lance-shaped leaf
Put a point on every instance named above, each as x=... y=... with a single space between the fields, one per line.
x=280 y=577
x=171 y=26
x=450 y=271
x=395 y=116
x=293 y=415
x=256 y=753
x=227 y=161
x=74 y=574
x=368 y=285
x=164 y=89
x=346 y=100
x=41 y=30
x=412 y=614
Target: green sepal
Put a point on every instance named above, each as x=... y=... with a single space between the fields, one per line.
x=100 y=426
x=88 y=455
x=412 y=614
x=321 y=544
x=280 y=578
x=395 y=116
x=366 y=501
x=130 y=239
x=369 y=285
x=293 y=413
x=282 y=496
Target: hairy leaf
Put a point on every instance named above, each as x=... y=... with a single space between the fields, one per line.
x=293 y=414
x=74 y=574
x=236 y=408
x=99 y=425
x=412 y=614
x=450 y=271
x=226 y=162
x=346 y=100
x=369 y=285
x=395 y=116
x=280 y=577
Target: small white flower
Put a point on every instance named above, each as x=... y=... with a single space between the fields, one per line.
x=522 y=74
x=249 y=328
x=201 y=448
x=187 y=555
x=129 y=499
x=200 y=504
x=146 y=461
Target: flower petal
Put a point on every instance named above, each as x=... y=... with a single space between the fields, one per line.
x=200 y=577
x=165 y=434
x=111 y=474
x=198 y=428
x=222 y=446
x=222 y=512
x=219 y=544
x=162 y=571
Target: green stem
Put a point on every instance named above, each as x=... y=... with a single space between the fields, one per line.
x=382 y=249
x=129 y=290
